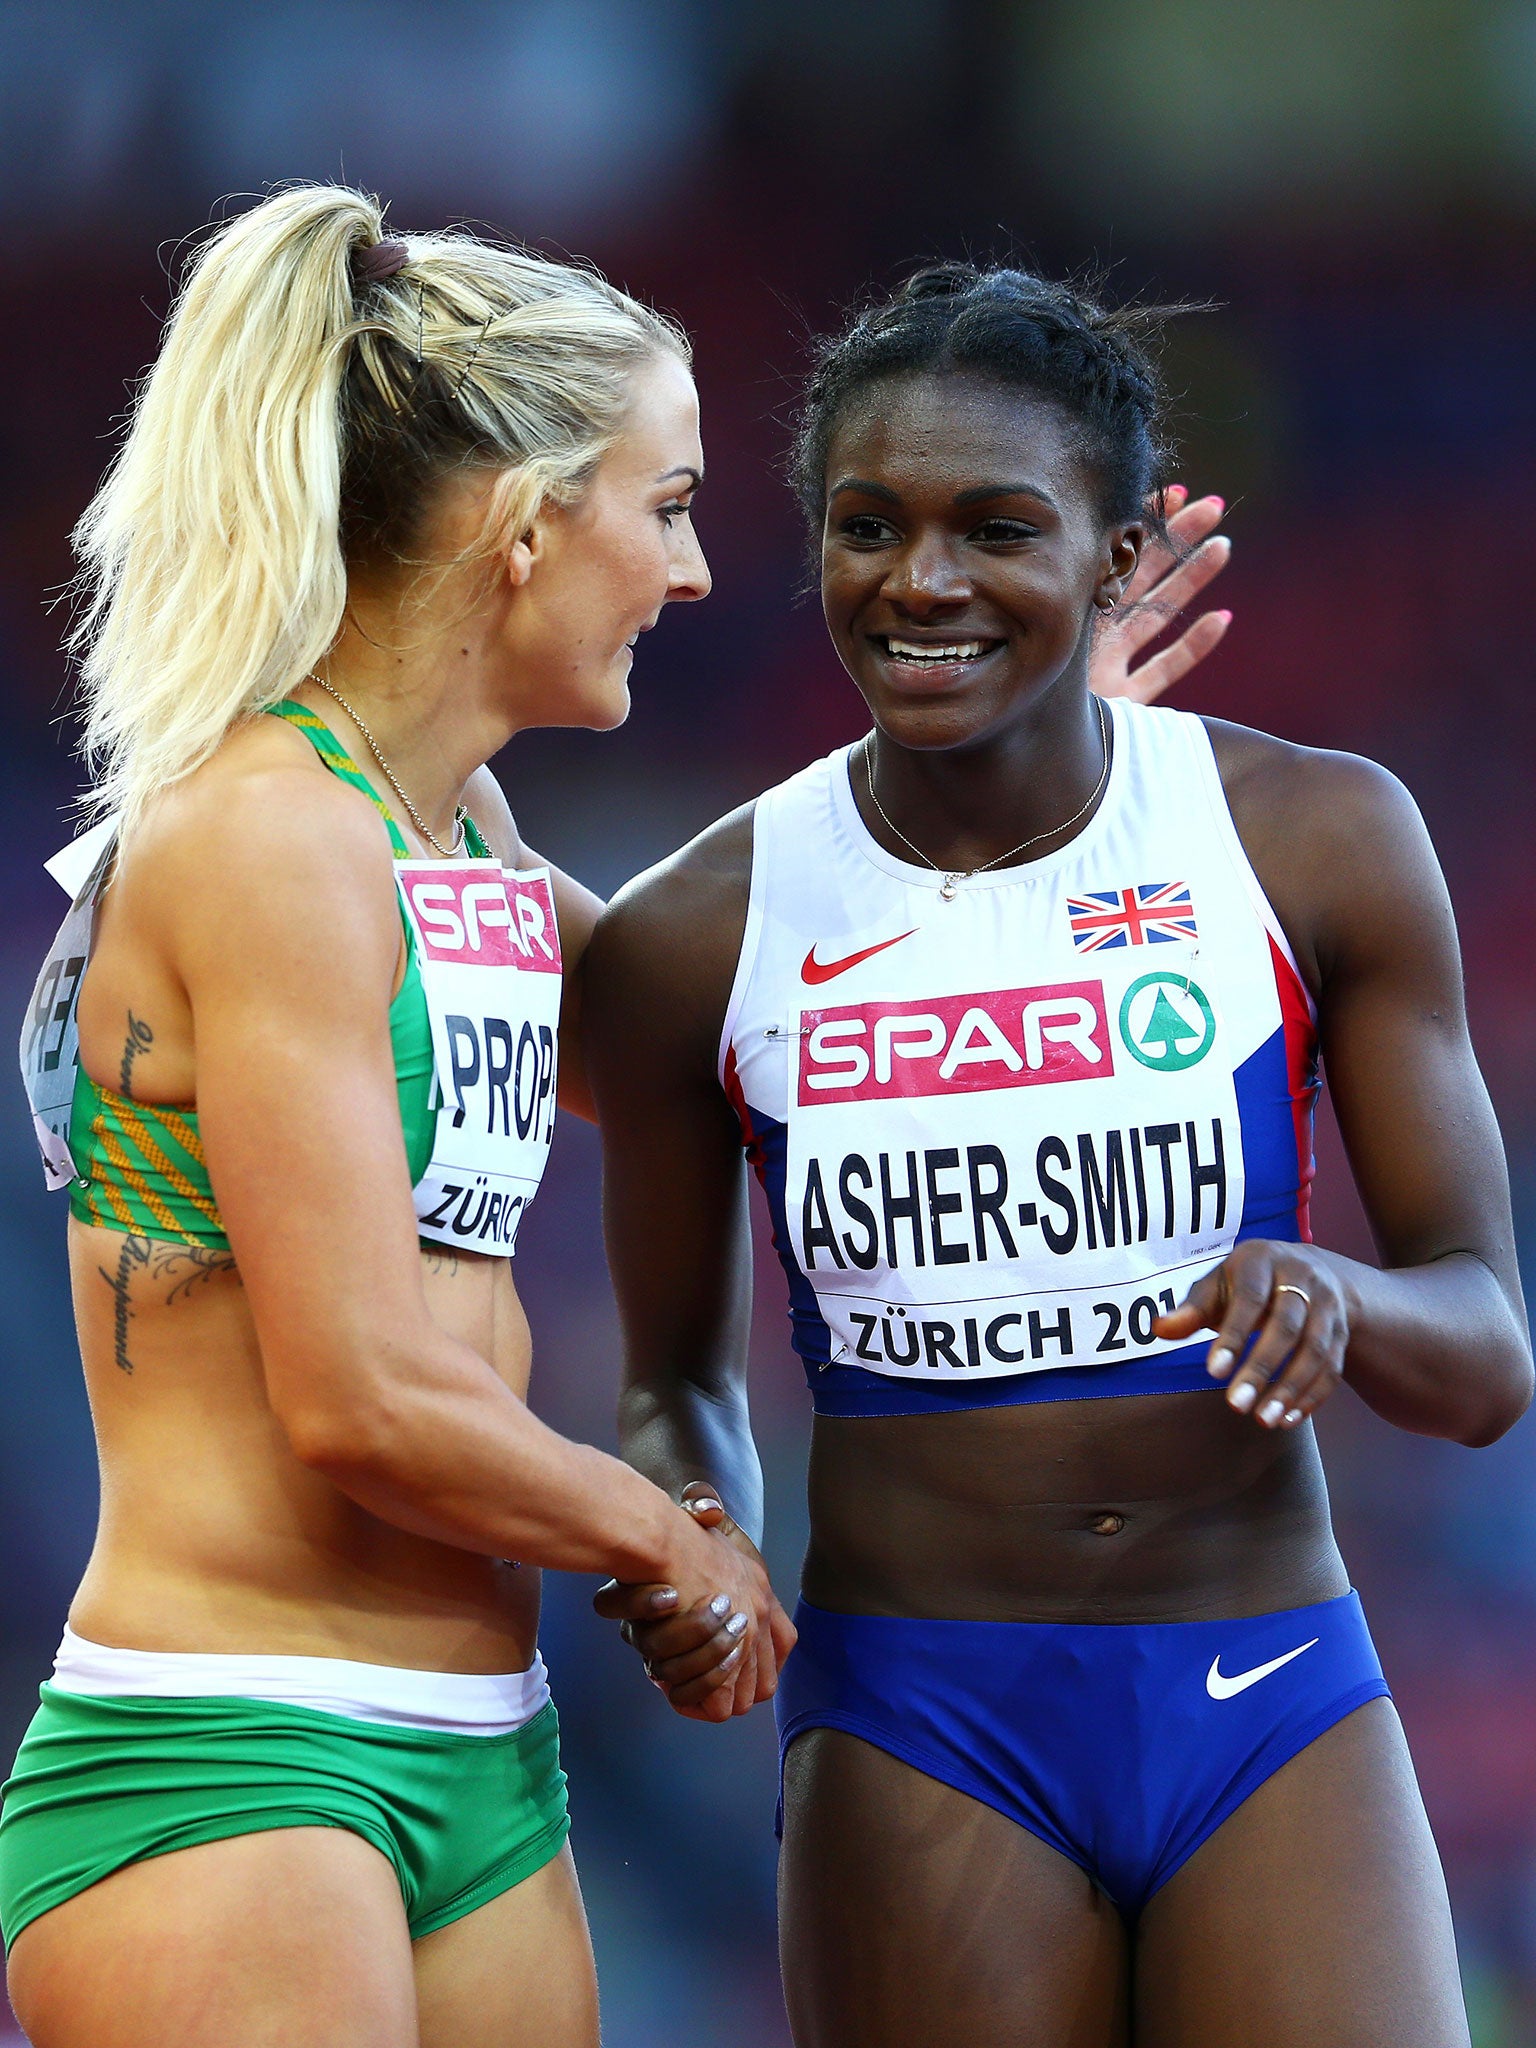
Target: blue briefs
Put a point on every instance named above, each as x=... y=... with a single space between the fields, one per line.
x=1122 y=1747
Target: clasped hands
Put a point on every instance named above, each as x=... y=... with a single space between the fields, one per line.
x=721 y=1655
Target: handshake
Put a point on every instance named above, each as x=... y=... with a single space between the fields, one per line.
x=716 y=1653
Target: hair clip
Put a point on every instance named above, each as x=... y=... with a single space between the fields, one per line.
x=485 y=328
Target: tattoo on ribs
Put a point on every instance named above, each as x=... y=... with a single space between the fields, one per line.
x=132 y=1254
x=182 y=1266
x=186 y=1266
x=139 y=1037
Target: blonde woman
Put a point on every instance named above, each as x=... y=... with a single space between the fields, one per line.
x=295 y=1778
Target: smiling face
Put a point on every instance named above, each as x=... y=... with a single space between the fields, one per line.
x=963 y=555
x=594 y=575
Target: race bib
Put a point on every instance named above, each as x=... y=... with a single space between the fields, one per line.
x=50 y=1032
x=489 y=953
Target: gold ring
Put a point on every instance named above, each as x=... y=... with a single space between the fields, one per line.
x=1285 y=1287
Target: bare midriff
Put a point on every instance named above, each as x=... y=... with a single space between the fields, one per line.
x=213 y=1536
x=1155 y=1508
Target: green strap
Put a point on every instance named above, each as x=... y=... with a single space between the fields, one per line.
x=340 y=762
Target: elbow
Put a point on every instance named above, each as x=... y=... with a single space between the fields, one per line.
x=1507 y=1400
x=341 y=1441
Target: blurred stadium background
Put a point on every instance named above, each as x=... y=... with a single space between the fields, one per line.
x=1354 y=181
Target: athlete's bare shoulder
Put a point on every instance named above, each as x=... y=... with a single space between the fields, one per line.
x=666 y=947
x=262 y=820
x=1332 y=836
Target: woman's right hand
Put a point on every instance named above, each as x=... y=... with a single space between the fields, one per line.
x=714 y=1654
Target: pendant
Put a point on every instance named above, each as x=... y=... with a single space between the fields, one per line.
x=949 y=885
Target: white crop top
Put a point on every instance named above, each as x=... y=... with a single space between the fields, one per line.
x=1000 y=1133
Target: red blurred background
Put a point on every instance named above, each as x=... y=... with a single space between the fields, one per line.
x=1354 y=187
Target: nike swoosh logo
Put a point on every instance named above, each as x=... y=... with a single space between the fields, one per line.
x=814 y=971
x=1221 y=1688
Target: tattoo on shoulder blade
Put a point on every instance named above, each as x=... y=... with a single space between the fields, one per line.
x=139 y=1037
x=133 y=1253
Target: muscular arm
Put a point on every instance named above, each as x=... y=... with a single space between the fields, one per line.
x=674 y=1187
x=289 y=983
x=577 y=910
x=1436 y=1338
x=675 y=1213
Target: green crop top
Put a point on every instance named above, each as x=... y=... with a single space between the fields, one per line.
x=139 y=1166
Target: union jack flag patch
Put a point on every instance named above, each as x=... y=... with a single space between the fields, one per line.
x=1149 y=914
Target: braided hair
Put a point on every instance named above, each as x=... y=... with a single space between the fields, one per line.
x=1024 y=333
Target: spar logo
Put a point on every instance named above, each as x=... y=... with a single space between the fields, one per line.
x=1167 y=1023
x=476 y=916
x=955 y=1045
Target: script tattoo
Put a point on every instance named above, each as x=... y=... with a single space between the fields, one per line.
x=139 y=1036
x=132 y=1254
x=441 y=1258
x=183 y=1266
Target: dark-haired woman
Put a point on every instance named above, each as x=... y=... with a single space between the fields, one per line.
x=1017 y=1007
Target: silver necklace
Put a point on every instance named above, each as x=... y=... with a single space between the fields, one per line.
x=459 y=816
x=953 y=877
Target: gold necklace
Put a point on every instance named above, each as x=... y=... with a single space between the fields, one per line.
x=460 y=815
x=954 y=877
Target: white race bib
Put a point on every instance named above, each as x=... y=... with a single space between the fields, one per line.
x=50 y=1032
x=489 y=952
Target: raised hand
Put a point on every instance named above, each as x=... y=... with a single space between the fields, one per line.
x=1161 y=588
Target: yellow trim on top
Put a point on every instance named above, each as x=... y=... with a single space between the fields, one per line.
x=114 y=1199
x=149 y=1148
x=161 y=1211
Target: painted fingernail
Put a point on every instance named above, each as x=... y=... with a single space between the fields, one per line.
x=1243 y=1396
x=1219 y=503
x=1225 y=617
x=737 y=1625
x=1220 y=1362
x=720 y=1605
x=1271 y=1413
x=699 y=1507
x=664 y=1596
x=1292 y=1417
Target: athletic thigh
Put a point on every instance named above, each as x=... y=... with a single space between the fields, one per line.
x=515 y=1973
x=1315 y=1916
x=912 y=1916
x=292 y=1938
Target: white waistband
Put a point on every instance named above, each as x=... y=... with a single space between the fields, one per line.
x=441 y=1702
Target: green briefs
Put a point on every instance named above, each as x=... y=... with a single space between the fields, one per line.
x=101 y=1782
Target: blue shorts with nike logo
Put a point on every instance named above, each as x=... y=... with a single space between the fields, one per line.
x=1122 y=1747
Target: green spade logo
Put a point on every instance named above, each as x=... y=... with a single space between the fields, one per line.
x=1167 y=1023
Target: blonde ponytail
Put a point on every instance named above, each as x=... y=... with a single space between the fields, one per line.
x=311 y=390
